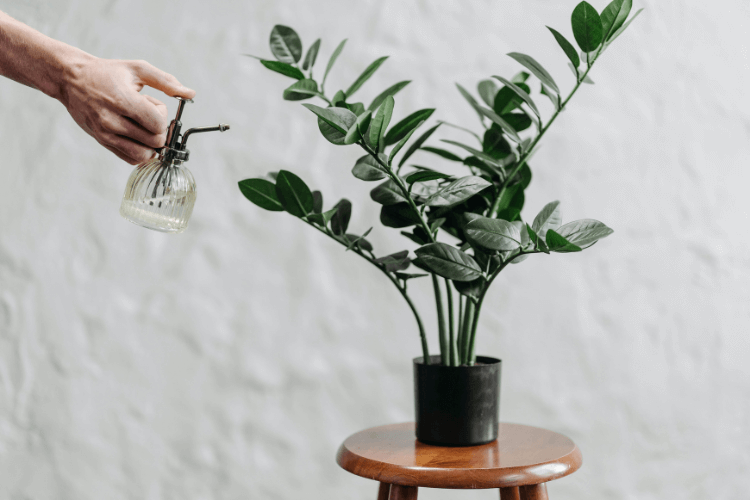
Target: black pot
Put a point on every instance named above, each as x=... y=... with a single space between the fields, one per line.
x=457 y=405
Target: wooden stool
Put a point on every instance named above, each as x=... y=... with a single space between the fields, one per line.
x=519 y=463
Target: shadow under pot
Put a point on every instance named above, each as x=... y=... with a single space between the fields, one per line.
x=457 y=405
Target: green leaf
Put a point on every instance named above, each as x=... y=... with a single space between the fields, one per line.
x=507 y=100
x=587 y=27
x=359 y=129
x=301 y=90
x=395 y=262
x=340 y=220
x=398 y=216
x=312 y=55
x=519 y=121
x=411 y=122
x=554 y=98
x=494 y=143
x=262 y=193
x=293 y=194
x=520 y=78
x=425 y=176
x=322 y=219
x=368 y=169
x=317 y=202
x=285 y=44
x=449 y=262
x=624 y=27
x=471 y=289
x=380 y=121
x=557 y=243
x=614 y=15
x=567 y=47
x=402 y=142
x=550 y=217
x=359 y=241
x=494 y=234
x=458 y=191
x=417 y=144
x=502 y=124
x=487 y=91
x=471 y=100
x=408 y=276
x=339 y=99
x=494 y=166
x=390 y=91
x=413 y=237
x=283 y=68
x=357 y=108
x=443 y=153
x=334 y=123
x=538 y=242
x=372 y=68
x=333 y=58
x=586 y=79
x=387 y=193
x=536 y=69
x=585 y=232
x=520 y=93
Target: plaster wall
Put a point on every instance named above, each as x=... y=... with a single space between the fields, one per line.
x=230 y=361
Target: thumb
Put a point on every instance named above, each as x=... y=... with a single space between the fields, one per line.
x=161 y=80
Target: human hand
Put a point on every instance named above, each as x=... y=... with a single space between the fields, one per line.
x=102 y=96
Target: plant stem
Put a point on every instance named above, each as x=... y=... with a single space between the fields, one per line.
x=441 y=321
x=460 y=328
x=496 y=203
x=468 y=322
x=452 y=354
x=401 y=289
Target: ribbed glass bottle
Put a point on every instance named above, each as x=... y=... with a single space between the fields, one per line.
x=160 y=195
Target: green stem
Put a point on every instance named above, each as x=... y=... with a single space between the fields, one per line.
x=441 y=321
x=401 y=289
x=452 y=354
x=460 y=328
x=468 y=322
x=496 y=203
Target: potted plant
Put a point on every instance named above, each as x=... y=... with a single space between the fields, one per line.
x=466 y=222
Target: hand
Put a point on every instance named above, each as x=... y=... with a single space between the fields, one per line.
x=102 y=96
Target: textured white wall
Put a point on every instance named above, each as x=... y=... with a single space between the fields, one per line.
x=230 y=361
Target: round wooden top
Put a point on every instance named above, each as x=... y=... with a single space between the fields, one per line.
x=522 y=455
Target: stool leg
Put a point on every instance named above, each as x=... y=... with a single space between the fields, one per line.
x=510 y=493
x=384 y=491
x=403 y=492
x=534 y=492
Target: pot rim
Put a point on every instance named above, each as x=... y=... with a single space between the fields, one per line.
x=485 y=360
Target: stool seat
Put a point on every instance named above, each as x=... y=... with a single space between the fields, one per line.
x=522 y=455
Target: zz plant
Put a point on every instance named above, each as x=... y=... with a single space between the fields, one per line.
x=479 y=212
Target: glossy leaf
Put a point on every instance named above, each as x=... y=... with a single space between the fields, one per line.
x=371 y=69
x=317 y=202
x=333 y=58
x=417 y=144
x=458 y=191
x=323 y=218
x=402 y=142
x=442 y=153
x=398 y=216
x=312 y=55
x=587 y=27
x=334 y=123
x=340 y=220
x=283 y=68
x=387 y=193
x=520 y=93
x=368 y=169
x=470 y=99
x=550 y=217
x=381 y=120
x=293 y=194
x=425 y=176
x=624 y=27
x=585 y=232
x=415 y=238
x=494 y=143
x=567 y=47
x=471 y=289
x=557 y=243
x=501 y=123
x=449 y=262
x=390 y=91
x=359 y=241
x=479 y=154
x=409 y=276
x=494 y=234
x=586 y=79
x=520 y=77
x=357 y=108
x=285 y=44
x=402 y=128
x=519 y=121
x=262 y=193
x=301 y=90
x=487 y=91
x=536 y=69
x=359 y=129
x=339 y=99
x=395 y=262
x=507 y=100
x=614 y=15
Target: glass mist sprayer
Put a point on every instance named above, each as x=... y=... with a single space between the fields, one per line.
x=160 y=193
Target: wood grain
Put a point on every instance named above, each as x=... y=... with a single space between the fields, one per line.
x=384 y=491
x=510 y=493
x=399 y=492
x=534 y=492
x=522 y=455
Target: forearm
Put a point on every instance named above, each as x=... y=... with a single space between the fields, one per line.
x=36 y=60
